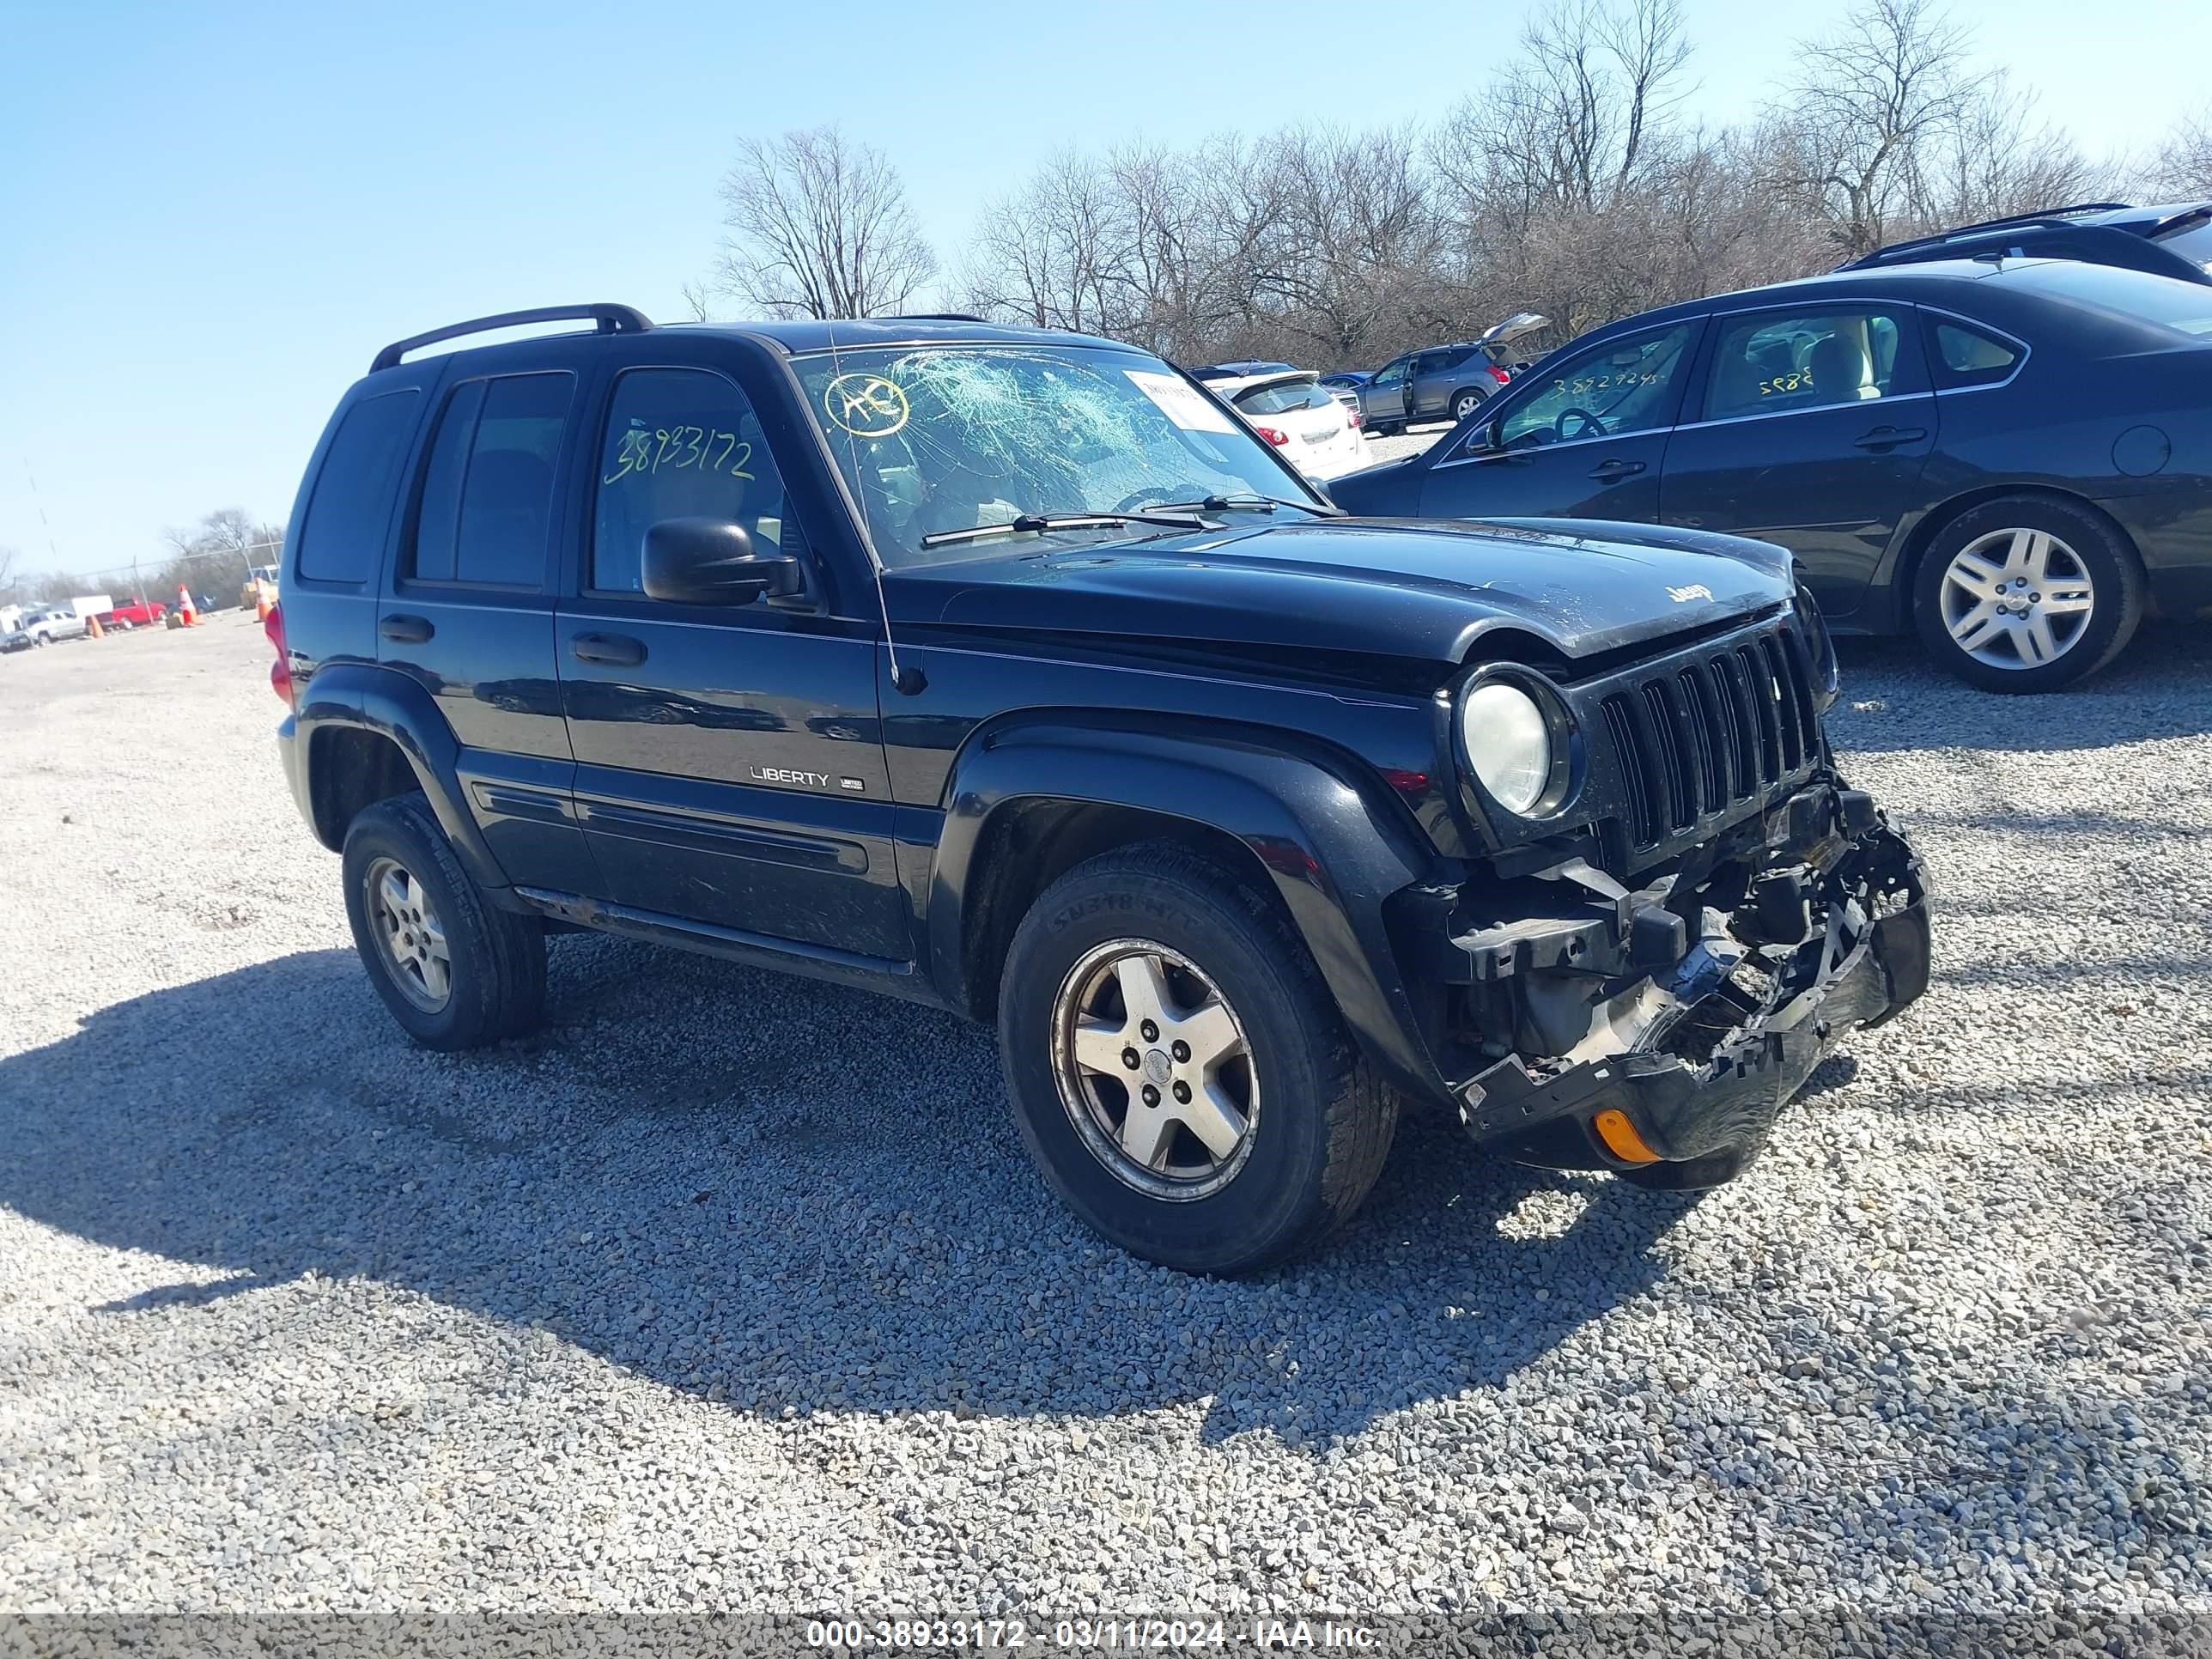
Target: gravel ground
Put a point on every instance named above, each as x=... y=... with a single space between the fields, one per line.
x=731 y=1291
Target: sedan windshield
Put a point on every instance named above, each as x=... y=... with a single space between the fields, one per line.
x=935 y=439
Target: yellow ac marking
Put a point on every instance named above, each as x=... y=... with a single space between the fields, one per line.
x=865 y=406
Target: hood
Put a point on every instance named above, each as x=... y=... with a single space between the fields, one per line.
x=1409 y=588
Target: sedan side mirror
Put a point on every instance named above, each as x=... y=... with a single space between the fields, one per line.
x=714 y=562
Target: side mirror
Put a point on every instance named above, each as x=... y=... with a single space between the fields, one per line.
x=714 y=562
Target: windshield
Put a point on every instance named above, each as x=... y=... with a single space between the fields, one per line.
x=2166 y=301
x=2194 y=244
x=940 y=438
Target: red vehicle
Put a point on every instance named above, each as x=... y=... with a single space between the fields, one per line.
x=144 y=614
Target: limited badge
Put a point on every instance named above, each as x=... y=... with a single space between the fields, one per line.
x=865 y=406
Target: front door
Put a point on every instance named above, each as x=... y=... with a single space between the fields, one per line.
x=1586 y=441
x=467 y=612
x=1382 y=400
x=730 y=770
x=1814 y=424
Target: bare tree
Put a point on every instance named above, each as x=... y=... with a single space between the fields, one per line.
x=819 y=227
x=1574 y=120
x=2184 y=161
x=1871 y=103
x=1998 y=156
x=9 y=557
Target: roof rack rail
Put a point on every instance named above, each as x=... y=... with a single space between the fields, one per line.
x=927 y=316
x=611 y=319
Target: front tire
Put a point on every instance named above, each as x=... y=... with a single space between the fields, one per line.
x=455 y=972
x=2027 y=593
x=1249 y=1126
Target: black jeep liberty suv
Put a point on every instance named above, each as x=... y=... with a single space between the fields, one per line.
x=1011 y=672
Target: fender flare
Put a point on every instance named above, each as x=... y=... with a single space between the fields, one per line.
x=1333 y=845
x=365 y=697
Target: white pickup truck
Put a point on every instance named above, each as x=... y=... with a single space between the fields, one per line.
x=47 y=623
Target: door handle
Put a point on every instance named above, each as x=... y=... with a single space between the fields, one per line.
x=618 y=649
x=1606 y=472
x=1888 y=437
x=406 y=630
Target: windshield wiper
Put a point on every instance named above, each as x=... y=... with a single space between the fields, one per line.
x=1032 y=523
x=1254 y=502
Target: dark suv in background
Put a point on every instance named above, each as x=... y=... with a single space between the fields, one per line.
x=1009 y=671
x=2175 y=240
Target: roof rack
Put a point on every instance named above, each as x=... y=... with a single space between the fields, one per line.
x=2054 y=217
x=611 y=319
x=927 y=316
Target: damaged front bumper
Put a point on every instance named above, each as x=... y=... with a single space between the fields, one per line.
x=1669 y=1031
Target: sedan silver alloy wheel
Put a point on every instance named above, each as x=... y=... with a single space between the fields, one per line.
x=2017 y=598
x=1154 y=1070
x=408 y=935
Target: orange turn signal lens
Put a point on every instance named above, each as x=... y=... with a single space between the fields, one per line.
x=1620 y=1138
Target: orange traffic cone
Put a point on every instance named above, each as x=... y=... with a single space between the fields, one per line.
x=92 y=630
x=261 y=605
x=185 y=611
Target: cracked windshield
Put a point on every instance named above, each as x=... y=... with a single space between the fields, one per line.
x=938 y=439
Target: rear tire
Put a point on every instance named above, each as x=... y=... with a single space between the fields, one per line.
x=2042 y=559
x=1464 y=404
x=403 y=886
x=1307 y=1123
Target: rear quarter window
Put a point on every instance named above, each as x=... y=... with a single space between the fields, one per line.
x=341 y=537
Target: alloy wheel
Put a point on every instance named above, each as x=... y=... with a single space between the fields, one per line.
x=2017 y=598
x=1154 y=1070
x=409 y=934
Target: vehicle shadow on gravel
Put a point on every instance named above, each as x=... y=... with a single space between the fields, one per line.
x=1893 y=700
x=775 y=1194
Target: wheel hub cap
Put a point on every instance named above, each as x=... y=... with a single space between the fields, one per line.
x=1154 y=1070
x=410 y=936
x=2017 y=598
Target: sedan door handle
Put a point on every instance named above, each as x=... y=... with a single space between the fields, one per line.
x=1888 y=437
x=617 y=649
x=1606 y=472
x=406 y=630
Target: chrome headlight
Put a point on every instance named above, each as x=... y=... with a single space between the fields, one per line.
x=1513 y=744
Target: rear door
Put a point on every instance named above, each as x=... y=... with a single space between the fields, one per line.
x=730 y=767
x=467 y=610
x=1809 y=426
x=1585 y=439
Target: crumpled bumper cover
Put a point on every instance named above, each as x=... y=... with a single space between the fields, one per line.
x=1706 y=1111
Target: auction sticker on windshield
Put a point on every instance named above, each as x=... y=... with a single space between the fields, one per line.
x=1179 y=402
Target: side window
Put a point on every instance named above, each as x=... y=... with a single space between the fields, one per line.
x=486 y=502
x=1967 y=356
x=342 y=535
x=680 y=443
x=1626 y=385
x=1769 y=362
x=1390 y=373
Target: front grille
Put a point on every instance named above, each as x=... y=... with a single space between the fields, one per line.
x=1696 y=742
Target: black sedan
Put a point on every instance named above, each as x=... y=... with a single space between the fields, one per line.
x=2012 y=457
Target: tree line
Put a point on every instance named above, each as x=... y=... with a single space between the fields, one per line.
x=210 y=556
x=1573 y=182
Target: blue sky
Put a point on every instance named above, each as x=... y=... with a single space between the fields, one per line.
x=214 y=214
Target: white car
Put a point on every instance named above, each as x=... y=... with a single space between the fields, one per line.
x=1298 y=415
x=53 y=623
